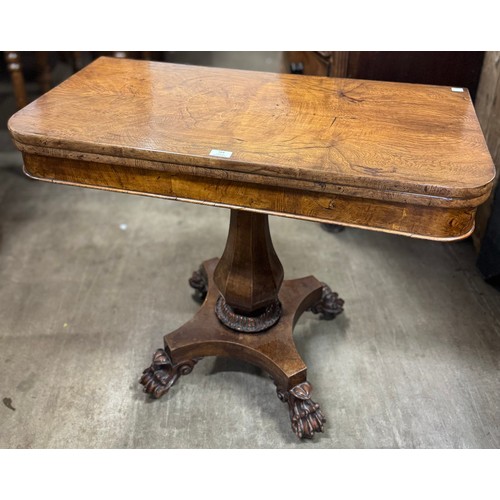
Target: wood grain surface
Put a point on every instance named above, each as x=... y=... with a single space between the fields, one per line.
x=415 y=220
x=345 y=142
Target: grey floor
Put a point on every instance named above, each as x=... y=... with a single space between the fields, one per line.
x=91 y=280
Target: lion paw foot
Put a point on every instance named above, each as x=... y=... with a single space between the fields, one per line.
x=305 y=414
x=330 y=305
x=163 y=374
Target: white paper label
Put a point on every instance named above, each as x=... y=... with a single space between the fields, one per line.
x=457 y=89
x=220 y=153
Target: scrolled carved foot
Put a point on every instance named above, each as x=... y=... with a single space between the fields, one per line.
x=305 y=414
x=163 y=374
x=330 y=305
x=199 y=282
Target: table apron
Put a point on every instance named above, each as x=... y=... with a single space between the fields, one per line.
x=429 y=222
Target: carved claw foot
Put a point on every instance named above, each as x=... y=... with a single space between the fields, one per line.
x=199 y=282
x=163 y=374
x=330 y=305
x=305 y=414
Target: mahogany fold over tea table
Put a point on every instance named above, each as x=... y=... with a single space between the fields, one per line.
x=401 y=158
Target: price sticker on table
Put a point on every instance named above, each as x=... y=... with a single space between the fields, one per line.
x=220 y=153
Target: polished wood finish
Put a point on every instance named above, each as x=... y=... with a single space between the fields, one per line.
x=416 y=220
x=249 y=273
x=273 y=351
x=402 y=158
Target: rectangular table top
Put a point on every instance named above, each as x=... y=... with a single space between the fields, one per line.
x=387 y=156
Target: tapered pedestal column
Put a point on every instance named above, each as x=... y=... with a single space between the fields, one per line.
x=248 y=275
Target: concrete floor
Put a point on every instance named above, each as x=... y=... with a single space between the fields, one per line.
x=84 y=301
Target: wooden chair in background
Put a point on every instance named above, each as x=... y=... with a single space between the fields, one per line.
x=14 y=65
x=44 y=77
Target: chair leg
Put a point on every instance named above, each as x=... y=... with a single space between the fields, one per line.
x=13 y=61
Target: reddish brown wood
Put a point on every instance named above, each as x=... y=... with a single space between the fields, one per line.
x=274 y=350
x=158 y=378
x=249 y=273
x=252 y=322
x=305 y=415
